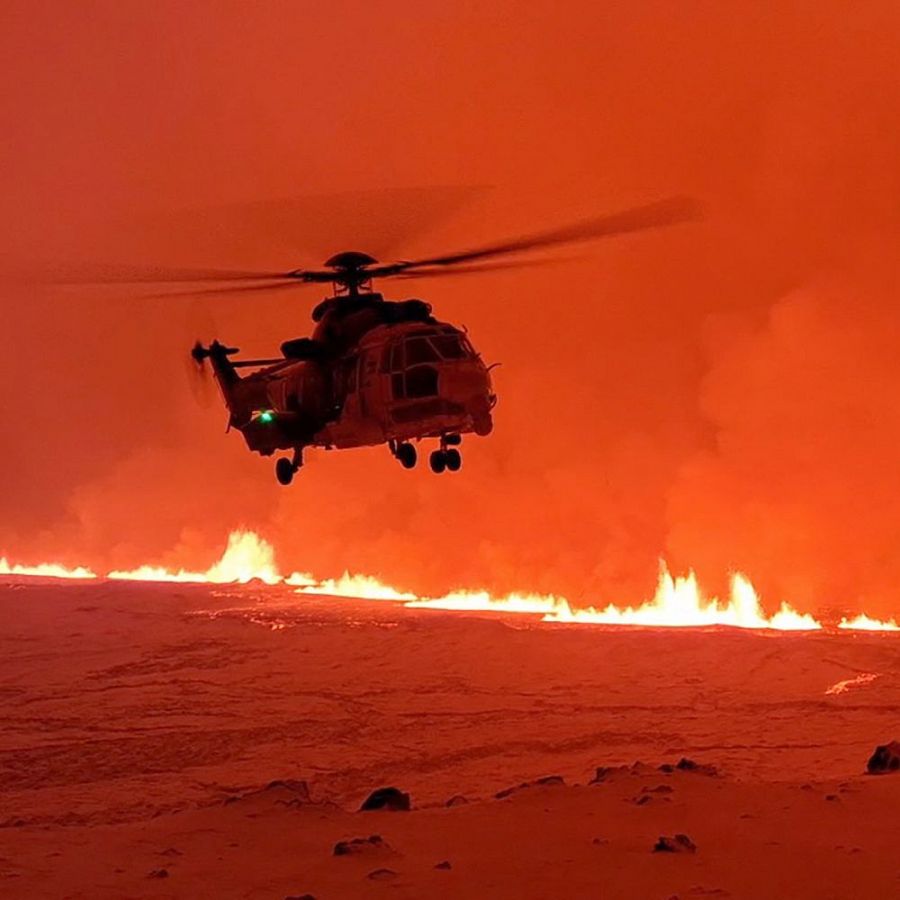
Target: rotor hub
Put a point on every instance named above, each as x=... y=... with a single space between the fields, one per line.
x=350 y=269
x=350 y=260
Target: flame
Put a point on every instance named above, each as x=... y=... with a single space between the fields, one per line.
x=44 y=570
x=362 y=587
x=246 y=558
x=677 y=602
x=863 y=623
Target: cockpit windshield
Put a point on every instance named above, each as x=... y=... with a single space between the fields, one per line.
x=450 y=346
x=420 y=350
x=425 y=347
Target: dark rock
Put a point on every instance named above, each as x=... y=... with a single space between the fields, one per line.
x=295 y=786
x=287 y=792
x=381 y=874
x=599 y=841
x=158 y=873
x=659 y=789
x=680 y=843
x=832 y=797
x=546 y=781
x=444 y=865
x=606 y=773
x=390 y=798
x=457 y=800
x=885 y=759
x=642 y=799
x=360 y=845
x=300 y=897
x=688 y=765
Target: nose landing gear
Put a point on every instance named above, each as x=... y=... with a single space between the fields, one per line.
x=447 y=457
x=285 y=468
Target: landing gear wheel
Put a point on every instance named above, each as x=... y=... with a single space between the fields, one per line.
x=452 y=459
x=452 y=440
x=284 y=471
x=438 y=461
x=407 y=455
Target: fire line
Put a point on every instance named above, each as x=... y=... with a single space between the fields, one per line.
x=677 y=602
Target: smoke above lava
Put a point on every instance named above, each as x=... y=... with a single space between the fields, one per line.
x=721 y=396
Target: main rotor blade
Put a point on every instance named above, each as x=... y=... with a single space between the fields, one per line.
x=230 y=289
x=671 y=211
x=116 y=274
x=441 y=271
x=313 y=225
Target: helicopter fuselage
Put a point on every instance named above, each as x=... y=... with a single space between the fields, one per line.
x=394 y=382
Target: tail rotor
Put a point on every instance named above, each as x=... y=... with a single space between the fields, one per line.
x=199 y=377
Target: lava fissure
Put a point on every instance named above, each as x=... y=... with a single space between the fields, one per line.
x=678 y=601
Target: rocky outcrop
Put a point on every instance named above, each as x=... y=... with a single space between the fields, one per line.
x=546 y=781
x=607 y=773
x=360 y=845
x=389 y=798
x=679 y=843
x=885 y=759
x=688 y=765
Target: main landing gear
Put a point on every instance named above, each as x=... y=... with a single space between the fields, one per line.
x=405 y=452
x=285 y=468
x=447 y=457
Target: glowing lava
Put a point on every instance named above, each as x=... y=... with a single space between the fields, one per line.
x=863 y=623
x=44 y=570
x=362 y=587
x=246 y=558
x=678 y=601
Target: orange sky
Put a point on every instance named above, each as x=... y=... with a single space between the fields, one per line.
x=723 y=395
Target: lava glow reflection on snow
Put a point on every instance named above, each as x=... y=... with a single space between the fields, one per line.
x=678 y=601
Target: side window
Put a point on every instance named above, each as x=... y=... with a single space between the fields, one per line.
x=397 y=386
x=397 y=357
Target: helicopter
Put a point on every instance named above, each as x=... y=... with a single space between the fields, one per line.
x=375 y=371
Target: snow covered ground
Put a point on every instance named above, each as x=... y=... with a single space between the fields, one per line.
x=142 y=724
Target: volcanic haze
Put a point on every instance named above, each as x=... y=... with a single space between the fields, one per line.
x=721 y=395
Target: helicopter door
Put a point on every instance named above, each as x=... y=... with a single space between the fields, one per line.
x=368 y=378
x=348 y=389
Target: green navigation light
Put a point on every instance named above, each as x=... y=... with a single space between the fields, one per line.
x=267 y=416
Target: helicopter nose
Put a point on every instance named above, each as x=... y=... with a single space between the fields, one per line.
x=469 y=384
x=465 y=381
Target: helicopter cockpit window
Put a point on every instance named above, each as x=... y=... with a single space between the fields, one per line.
x=450 y=346
x=422 y=381
x=418 y=350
